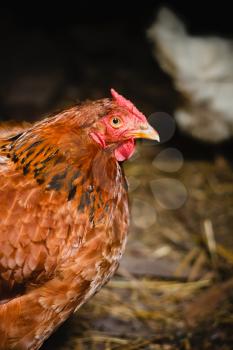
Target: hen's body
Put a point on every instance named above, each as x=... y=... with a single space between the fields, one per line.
x=63 y=225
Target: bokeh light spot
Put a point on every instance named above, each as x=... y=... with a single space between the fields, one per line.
x=133 y=183
x=164 y=124
x=169 y=160
x=169 y=193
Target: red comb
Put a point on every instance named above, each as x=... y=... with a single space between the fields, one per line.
x=123 y=102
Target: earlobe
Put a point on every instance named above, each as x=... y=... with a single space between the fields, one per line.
x=98 y=138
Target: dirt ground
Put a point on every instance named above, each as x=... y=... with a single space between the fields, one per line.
x=173 y=289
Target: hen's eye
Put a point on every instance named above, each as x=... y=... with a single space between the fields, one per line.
x=116 y=122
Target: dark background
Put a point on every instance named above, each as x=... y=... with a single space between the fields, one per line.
x=51 y=56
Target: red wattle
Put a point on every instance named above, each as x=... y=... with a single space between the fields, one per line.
x=125 y=150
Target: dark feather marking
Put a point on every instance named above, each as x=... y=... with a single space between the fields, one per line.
x=71 y=186
x=59 y=159
x=40 y=181
x=37 y=171
x=47 y=151
x=60 y=176
x=26 y=168
x=106 y=208
x=40 y=152
x=34 y=144
x=29 y=153
x=50 y=157
x=56 y=182
x=17 y=147
x=15 y=158
x=55 y=185
x=36 y=154
x=88 y=198
x=72 y=192
x=84 y=201
x=20 y=153
x=100 y=197
x=15 y=137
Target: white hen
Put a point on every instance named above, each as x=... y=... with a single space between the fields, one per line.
x=202 y=70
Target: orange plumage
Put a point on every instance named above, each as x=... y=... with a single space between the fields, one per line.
x=63 y=213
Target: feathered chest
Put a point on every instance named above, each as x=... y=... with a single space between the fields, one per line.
x=96 y=206
x=69 y=214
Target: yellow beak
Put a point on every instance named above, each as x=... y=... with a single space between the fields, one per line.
x=145 y=132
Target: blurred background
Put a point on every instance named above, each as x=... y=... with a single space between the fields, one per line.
x=173 y=289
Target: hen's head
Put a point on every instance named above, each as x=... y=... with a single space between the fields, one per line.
x=121 y=126
x=77 y=132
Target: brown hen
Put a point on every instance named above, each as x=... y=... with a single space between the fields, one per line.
x=63 y=213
